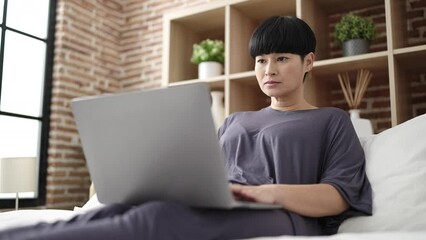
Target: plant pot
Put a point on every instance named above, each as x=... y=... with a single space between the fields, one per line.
x=355 y=47
x=209 y=69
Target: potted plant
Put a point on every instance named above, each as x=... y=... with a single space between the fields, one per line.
x=355 y=33
x=210 y=56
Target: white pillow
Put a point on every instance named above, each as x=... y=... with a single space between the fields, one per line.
x=93 y=203
x=396 y=167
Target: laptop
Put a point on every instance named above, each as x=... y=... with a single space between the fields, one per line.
x=158 y=144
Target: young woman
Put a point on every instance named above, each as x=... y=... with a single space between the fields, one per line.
x=307 y=159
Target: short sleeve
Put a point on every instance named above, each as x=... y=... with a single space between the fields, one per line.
x=225 y=125
x=344 y=168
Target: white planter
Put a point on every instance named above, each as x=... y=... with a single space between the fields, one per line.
x=218 y=108
x=209 y=69
x=363 y=127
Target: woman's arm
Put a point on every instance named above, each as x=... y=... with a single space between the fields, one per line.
x=311 y=200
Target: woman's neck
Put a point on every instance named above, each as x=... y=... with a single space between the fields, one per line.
x=288 y=105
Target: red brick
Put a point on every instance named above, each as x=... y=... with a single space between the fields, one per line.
x=78 y=190
x=420 y=111
x=67 y=164
x=418 y=4
x=420 y=99
x=415 y=14
x=383 y=126
x=55 y=191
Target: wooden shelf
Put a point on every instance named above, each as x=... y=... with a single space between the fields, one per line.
x=214 y=82
x=394 y=60
x=339 y=6
x=243 y=76
x=411 y=58
x=258 y=10
x=372 y=61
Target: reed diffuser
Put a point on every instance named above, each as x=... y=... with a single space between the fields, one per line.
x=353 y=96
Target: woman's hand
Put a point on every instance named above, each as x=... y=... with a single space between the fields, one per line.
x=311 y=200
x=260 y=194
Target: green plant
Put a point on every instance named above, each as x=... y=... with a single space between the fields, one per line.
x=352 y=26
x=208 y=50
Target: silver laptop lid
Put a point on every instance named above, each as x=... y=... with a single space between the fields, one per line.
x=153 y=145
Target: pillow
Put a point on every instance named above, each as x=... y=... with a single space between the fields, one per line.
x=396 y=167
x=93 y=203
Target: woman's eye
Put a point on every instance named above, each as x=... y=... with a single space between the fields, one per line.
x=261 y=60
x=281 y=59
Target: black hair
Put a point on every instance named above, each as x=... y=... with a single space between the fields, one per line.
x=282 y=35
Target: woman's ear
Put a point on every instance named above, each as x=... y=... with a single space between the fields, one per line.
x=309 y=61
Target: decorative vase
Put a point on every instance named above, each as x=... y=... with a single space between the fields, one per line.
x=355 y=46
x=209 y=69
x=218 y=108
x=363 y=127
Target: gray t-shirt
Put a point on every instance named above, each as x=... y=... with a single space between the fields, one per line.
x=298 y=147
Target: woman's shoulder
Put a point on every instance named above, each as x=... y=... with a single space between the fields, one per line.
x=245 y=114
x=333 y=113
x=234 y=118
x=329 y=117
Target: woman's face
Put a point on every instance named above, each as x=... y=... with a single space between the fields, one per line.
x=281 y=74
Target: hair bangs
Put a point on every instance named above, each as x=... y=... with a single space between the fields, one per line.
x=282 y=35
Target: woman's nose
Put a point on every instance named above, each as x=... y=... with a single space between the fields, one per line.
x=270 y=70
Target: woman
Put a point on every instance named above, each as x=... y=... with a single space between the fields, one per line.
x=307 y=159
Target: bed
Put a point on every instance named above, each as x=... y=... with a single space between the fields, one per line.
x=396 y=166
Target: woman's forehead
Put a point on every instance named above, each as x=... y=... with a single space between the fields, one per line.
x=274 y=54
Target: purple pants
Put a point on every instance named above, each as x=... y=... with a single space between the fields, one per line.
x=160 y=220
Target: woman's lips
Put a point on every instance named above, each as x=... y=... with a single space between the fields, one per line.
x=271 y=82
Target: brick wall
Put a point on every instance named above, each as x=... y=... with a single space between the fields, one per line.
x=116 y=45
x=86 y=62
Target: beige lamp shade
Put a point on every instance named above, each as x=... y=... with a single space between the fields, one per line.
x=18 y=174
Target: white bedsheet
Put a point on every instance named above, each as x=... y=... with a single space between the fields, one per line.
x=27 y=217
x=358 y=236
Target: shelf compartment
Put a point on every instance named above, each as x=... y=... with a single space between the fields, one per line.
x=408 y=19
x=410 y=84
x=245 y=17
x=325 y=91
x=185 y=32
x=322 y=15
x=324 y=81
